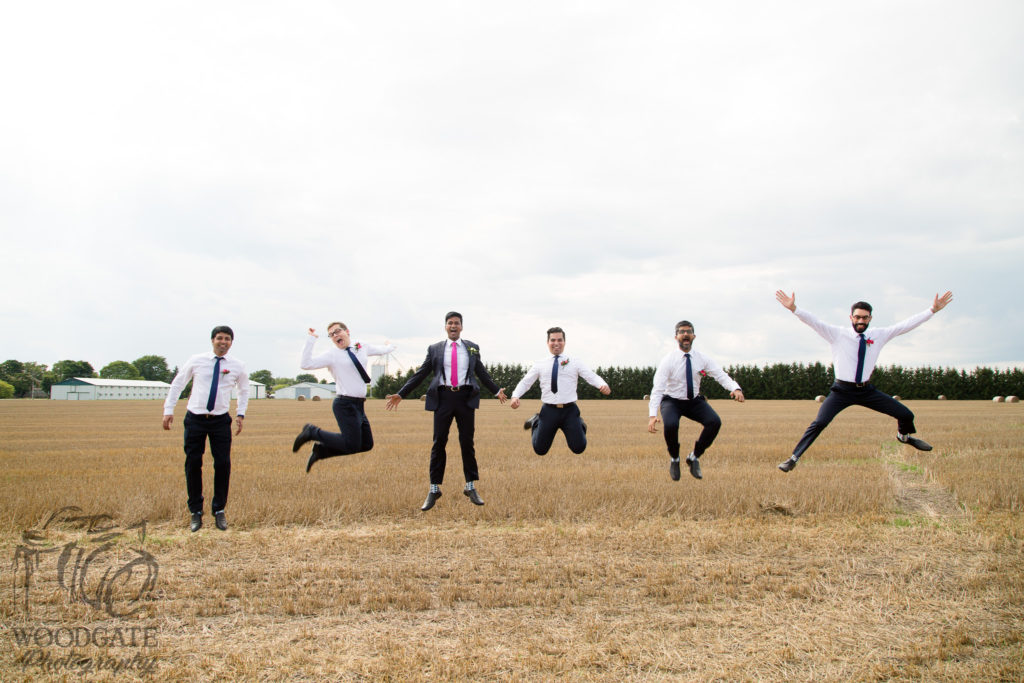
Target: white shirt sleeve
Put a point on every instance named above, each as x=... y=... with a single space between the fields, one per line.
x=178 y=385
x=526 y=382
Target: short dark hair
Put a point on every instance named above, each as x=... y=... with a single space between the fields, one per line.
x=862 y=305
x=222 y=329
x=684 y=323
x=339 y=324
x=552 y=330
x=452 y=314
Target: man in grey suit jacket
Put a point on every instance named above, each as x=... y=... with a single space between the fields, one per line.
x=452 y=395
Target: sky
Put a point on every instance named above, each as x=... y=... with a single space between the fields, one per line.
x=608 y=167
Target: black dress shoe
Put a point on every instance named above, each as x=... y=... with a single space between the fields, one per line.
x=917 y=443
x=313 y=457
x=197 y=521
x=673 y=470
x=788 y=465
x=431 y=499
x=694 y=464
x=473 y=496
x=308 y=433
x=532 y=422
x=220 y=520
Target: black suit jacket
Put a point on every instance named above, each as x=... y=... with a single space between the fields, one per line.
x=433 y=365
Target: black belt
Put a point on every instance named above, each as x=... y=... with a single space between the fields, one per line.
x=206 y=416
x=852 y=385
x=349 y=398
x=561 y=405
x=461 y=387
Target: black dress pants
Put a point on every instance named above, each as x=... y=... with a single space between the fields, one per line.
x=841 y=397
x=355 y=435
x=698 y=410
x=453 y=405
x=199 y=428
x=553 y=418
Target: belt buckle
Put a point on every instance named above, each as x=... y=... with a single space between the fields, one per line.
x=456 y=388
x=559 y=405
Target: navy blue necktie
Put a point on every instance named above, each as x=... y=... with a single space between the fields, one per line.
x=210 y=402
x=359 y=366
x=689 y=378
x=862 y=348
x=554 y=376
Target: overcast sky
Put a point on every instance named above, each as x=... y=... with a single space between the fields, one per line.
x=609 y=167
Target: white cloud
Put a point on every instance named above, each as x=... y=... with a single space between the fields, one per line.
x=603 y=166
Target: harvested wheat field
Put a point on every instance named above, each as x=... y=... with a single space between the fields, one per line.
x=869 y=561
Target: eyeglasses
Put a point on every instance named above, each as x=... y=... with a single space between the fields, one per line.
x=336 y=333
x=861 y=317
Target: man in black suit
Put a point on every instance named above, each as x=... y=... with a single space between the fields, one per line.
x=452 y=394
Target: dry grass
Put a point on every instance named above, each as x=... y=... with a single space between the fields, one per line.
x=867 y=562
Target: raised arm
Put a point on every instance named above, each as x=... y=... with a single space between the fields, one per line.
x=940 y=302
x=787 y=300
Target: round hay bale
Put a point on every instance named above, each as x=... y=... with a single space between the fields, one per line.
x=423 y=397
x=942 y=397
x=1012 y=399
x=647 y=397
x=897 y=397
x=819 y=399
x=997 y=399
x=315 y=398
x=300 y=398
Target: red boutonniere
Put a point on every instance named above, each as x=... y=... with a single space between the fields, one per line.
x=564 y=362
x=358 y=346
x=224 y=371
x=703 y=373
x=869 y=342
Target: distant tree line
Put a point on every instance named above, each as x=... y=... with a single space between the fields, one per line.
x=777 y=381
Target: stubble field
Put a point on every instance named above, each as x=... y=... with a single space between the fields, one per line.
x=870 y=561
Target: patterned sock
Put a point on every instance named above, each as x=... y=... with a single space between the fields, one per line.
x=469 y=486
x=691 y=456
x=676 y=459
x=434 y=488
x=902 y=437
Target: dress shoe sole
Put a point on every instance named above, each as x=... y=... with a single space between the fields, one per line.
x=302 y=439
x=918 y=444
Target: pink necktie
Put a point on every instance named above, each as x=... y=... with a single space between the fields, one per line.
x=455 y=365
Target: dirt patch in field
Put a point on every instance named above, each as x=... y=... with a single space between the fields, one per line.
x=917 y=494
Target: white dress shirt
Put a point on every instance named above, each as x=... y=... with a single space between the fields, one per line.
x=463 y=356
x=347 y=381
x=199 y=368
x=670 y=377
x=845 y=342
x=568 y=379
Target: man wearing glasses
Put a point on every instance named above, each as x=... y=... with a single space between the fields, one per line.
x=348 y=365
x=854 y=354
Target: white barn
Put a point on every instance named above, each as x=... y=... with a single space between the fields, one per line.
x=256 y=390
x=307 y=390
x=99 y=389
